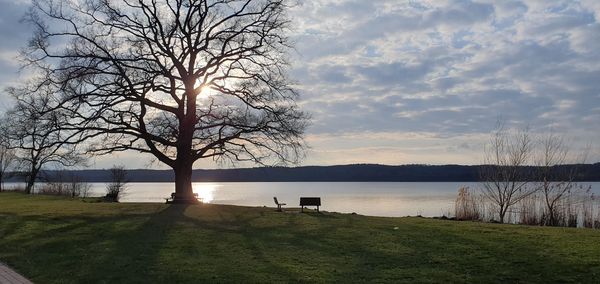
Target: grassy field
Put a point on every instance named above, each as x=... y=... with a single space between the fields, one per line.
x=58 y=240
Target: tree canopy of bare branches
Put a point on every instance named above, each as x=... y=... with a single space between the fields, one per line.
x=180 y=80
x=504 y=181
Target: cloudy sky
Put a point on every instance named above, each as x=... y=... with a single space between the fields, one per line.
x=398 y=82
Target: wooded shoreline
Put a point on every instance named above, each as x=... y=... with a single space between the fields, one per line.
x=339 y=173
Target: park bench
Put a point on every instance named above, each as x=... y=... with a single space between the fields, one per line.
x=310 y=201
x=170 y=199
x=278 y=204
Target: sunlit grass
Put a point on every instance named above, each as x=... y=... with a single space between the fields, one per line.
x=57 y=240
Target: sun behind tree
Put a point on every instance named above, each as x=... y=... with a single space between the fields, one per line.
x=130 y=74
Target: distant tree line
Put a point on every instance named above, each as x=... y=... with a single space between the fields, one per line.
x=341 y=173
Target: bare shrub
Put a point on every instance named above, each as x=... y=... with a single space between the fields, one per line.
x=51 y=189
x=66 y=184
x=117 y=185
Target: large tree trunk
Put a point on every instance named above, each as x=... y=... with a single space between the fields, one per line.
x=183 y=185
x=502 y=213
x=31 y=182
x=183 y=168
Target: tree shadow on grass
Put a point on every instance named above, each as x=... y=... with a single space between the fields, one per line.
x=301 y=249
x=336 y=248
x=191 y=244
x=79 y=249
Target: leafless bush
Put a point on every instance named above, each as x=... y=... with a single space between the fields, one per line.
x=66 y=184
x=117 y=185
x=51 y=189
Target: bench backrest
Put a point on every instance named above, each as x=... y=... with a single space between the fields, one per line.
x=275 y=199
x=310 y=201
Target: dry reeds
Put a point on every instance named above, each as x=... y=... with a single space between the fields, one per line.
x=529 y=211
x=580 y=207
x=72 y=189
x=466 y=206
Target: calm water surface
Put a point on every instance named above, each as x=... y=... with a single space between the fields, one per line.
x=368 y=198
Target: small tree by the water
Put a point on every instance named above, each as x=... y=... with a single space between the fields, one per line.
x=504 y=182
x=32 y=129
x=117 y=184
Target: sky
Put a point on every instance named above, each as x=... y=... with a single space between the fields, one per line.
x=420 y=82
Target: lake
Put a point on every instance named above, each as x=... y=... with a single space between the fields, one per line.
x=391 y=199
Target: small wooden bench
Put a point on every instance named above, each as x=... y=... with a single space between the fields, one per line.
x=310 y=201
x=170 y=199
x=278 y=204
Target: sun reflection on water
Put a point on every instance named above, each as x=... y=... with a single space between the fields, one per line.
x=205 y=191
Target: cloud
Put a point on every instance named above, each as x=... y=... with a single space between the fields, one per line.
x=451 y=66
x=13 y=36
x=448 y=68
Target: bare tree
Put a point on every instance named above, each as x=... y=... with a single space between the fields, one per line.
x=34 y=133
x=554 y=180
x=180 y=80
x=504 y=180
x=8 y=157
x=118 y=183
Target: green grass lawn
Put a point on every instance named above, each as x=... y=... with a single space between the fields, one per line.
x=58 y=240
